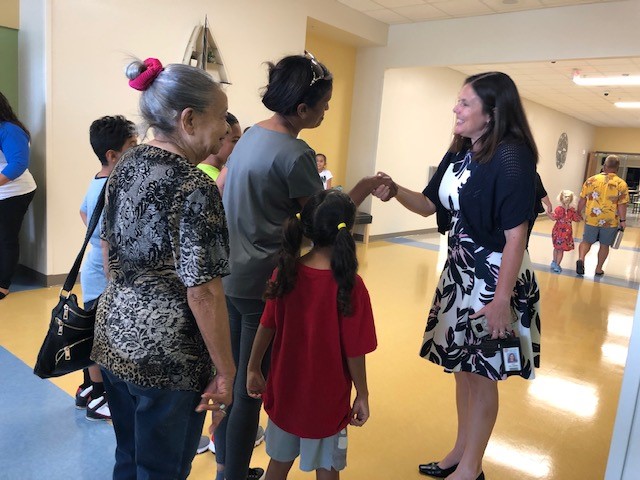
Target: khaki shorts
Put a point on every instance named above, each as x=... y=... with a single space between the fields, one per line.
x=328 y=453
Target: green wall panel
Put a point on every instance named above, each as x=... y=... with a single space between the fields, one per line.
x=9 y=65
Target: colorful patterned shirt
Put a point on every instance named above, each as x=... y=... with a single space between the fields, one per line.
x=603 y=193
x=165 y=225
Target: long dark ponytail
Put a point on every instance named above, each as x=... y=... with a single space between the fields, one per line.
x=326 y=219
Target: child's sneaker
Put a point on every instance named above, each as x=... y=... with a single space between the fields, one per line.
x=212 y=445
x=555 y=267
x=259 y=436
x=98 y=409
x=83 y=396
x=203 y=445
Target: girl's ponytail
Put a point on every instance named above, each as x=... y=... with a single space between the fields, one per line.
x=344 y=264
x=289 y=252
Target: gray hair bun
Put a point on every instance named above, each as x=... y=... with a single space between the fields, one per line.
x=134 y=69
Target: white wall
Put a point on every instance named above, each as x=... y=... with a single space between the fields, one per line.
x=33 y=87
x=584 y=31
x=624 y=455
x=72 y=56
x=416 y=122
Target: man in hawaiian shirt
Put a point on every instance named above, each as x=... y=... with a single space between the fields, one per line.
x=605 y=196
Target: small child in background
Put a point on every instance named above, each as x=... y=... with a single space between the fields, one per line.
x=325 y=175
x=319 y=317
x=562 y=233
x=110 y=138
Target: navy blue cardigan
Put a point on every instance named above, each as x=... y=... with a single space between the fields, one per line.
x=498 y=196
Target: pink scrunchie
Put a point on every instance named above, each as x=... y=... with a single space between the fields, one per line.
x=146 y=78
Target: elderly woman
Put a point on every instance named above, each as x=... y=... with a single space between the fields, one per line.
x=483 y=193
x=162 y=321
x=271 y=175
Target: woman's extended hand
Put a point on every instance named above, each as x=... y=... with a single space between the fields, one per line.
x=387 y=189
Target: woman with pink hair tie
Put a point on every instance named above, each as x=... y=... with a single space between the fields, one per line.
x=162 y=321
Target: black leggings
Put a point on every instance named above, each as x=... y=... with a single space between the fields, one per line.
x=236 y=434
x=12 y=211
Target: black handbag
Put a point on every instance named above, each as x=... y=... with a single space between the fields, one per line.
x=67 y=345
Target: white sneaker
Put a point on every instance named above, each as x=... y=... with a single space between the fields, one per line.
x=203 y=445
x=98 y=409
x=259 y=436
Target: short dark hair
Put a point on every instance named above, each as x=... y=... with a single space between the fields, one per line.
x=507 y=120
x=232 y=120
x=292 y=82
x=323 y=156
x=110 y=133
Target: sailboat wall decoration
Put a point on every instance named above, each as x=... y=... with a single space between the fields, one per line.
x=203 y=52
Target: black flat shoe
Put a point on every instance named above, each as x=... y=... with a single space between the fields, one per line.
x=433 y=470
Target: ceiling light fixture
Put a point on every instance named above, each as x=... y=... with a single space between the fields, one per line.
x=627 y=104
x=618 y=80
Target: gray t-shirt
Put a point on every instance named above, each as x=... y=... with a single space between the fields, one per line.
x=267 y=173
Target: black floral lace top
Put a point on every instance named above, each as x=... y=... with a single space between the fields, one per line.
x=166 y=229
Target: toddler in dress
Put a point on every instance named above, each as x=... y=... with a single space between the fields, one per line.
x=562 y=233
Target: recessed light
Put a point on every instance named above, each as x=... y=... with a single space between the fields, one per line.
x=627 y=104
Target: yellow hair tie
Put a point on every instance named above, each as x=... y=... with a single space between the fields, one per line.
x=298 y=216
x=342 y=225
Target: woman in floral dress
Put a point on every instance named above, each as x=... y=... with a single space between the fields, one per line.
x=482 y=193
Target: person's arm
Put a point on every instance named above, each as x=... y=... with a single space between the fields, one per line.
x=83 y=216
x=622 y=214
x=360 y=410
x=207 y=302
x=368 y=185
x=547 y=202
x=581 y=204
x=14 y=144
x=256 y=383
x=329 y=183
x=498 y=310
x=222 y=178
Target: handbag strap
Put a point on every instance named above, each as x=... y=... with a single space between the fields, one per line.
x=93 y=223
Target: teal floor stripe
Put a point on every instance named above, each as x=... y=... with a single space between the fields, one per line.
x=43 y=435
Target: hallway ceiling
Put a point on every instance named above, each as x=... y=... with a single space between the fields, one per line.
x=548 y=83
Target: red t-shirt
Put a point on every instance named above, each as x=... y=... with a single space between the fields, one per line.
x=308 y=391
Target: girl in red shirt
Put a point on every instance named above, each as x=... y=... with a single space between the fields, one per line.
x=319 y=318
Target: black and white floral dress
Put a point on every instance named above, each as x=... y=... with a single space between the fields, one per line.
x=467 y=283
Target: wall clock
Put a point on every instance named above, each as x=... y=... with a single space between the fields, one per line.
x=561 y=150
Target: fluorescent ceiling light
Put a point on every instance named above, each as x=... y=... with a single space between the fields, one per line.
x=619 y=80
x=627 y=104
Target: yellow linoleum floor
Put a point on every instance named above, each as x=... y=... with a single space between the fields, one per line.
x=558 y=426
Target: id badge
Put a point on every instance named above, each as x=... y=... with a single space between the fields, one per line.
x=511 y=359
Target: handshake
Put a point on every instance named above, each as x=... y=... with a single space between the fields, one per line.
x=383 y=187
